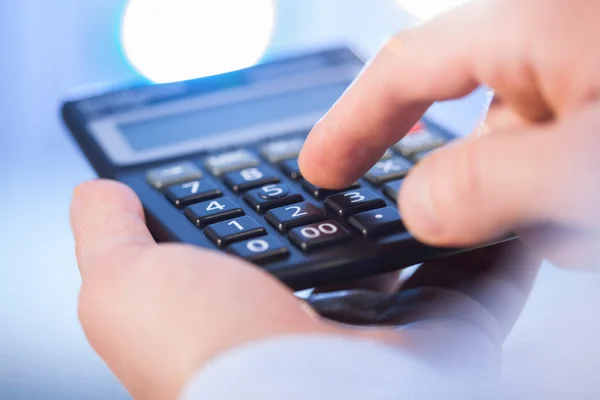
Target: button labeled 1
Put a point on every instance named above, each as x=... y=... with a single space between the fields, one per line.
x=319 y=235
x=259 y=250
x=235 y=230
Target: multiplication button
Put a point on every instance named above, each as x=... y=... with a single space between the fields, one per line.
x=259 y=250
x=387 y=170
x=319 y=235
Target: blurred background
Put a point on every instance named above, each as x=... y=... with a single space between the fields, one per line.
x=47 y=48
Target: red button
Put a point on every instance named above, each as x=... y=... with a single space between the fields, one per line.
x=419 y=127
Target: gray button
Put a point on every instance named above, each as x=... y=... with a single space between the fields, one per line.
x=172 y=174
x=388 y=154
x=227 y=162
x=388 y=170
x=281 y=150
x=418 y=142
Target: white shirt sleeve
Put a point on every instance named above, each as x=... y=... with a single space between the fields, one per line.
x=315 y=367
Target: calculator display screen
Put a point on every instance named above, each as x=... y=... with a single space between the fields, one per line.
x=203 y=123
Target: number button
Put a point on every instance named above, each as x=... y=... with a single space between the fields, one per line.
x=319 y=235
x=210 y=212
x=250 y=178
x=271 y=196
x=226 y=162
x=192 y=192
x=387 y=170
x=259 y=250
x=281 y=150
x=291 y=169
x=377 y=222
x=320 y=193
x=173 y=174
x=350 y=203
x=286 y=218
x=235 y=230
x=392 y=189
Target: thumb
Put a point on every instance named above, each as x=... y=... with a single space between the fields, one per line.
x=481 y=188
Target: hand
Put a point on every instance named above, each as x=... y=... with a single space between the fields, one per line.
x=157 y=313
x=535 y=172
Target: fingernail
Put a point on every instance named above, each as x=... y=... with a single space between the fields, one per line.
x=419 y=202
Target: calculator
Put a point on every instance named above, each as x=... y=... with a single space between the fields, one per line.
x=214 y=162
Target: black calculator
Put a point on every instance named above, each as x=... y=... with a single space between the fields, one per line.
x=214 y=162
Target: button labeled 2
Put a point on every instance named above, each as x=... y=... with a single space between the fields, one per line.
x=286 y=218
x=319 y=235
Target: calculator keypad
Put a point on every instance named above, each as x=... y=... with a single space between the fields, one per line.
x=319 y=235
x=187 y=193
x=260 y=250
x=377 y=222
x=254 y=205
x=353 y=202
x=250 y=178
x=172 y=174
x=286 y=218
x=209 y=212
x=271 y=196
x=235 y=230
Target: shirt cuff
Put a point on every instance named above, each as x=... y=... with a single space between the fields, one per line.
x=313 y=367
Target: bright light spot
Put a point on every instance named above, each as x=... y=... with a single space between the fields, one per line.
x=174 y=40
x=427 y=9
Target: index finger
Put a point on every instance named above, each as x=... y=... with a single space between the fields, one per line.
x=415 y=68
